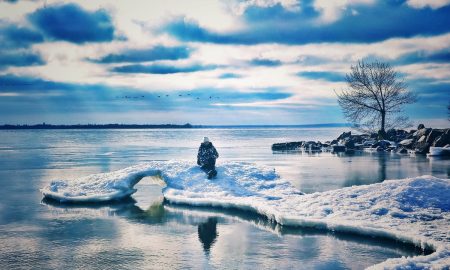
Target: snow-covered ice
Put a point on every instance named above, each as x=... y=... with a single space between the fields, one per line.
x=415 y=210
x=439 y=151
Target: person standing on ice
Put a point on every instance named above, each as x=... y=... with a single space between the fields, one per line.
x=206 y=157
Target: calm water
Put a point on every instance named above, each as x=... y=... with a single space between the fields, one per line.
x=146 y=233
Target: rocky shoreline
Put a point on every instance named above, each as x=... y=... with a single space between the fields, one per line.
x=401 y=141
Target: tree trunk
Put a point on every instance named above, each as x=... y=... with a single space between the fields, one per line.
x=382 y=132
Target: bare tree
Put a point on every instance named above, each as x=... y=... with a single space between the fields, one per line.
x=374 y=97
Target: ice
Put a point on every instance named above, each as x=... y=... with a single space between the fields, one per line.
x=415 y=210
x=439 y=151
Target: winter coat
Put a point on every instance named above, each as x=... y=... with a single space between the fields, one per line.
x=206 y=153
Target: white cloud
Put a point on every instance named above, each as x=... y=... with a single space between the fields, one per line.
x=332 y=10
x=434 y=4
x=238 y=7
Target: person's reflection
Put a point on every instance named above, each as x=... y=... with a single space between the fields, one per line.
x=382 y=175
x=207 y=234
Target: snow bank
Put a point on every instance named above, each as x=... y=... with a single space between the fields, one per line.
x=439 y=151
x=413 y=210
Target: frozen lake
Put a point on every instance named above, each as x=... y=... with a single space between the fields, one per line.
x=146 y=233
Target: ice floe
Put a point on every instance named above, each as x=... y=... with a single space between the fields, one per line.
x=415 y=210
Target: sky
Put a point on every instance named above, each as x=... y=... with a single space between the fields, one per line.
x=210 y=62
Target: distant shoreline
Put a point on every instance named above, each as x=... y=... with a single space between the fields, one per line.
x=161 y=126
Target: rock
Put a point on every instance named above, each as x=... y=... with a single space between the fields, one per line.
x=315 y=148
x=442 y=140
x=422 y=139
x=433 y=135
x=420 y=126
x=344 y=135
x=402 y=151
x=286 y=146
x=334 y=142
x=421 y=132
x=391 y=134
x=359 y=138
x=312 y=146
x=408 y=143
x=422 y=148
x=383 y=144
x=381 y=134
x=368 y=143
x=350 y=144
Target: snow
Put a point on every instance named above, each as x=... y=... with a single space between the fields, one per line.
x=439 y=151
x=415 y=210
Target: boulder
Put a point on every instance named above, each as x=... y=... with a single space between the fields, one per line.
x=350 y=144
x=286 y=146
x=383 y=144
x=381 y=134
x=402 y=150
x=312 y=146
x=368 y=143
x=442 y=140
x=422 y=148
x=421 y=132
x=408 y=143
x=344 y=135
x=422 y=139
x=420 y=126
x=391 y=134
x=433 y=135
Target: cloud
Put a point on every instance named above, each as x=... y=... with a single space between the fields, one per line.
x=11 y=82
x=441 y=56
x=433 y=99
x=434 y=4
x=323 y=75
x=19 y=59
x=71 y=23
x=28 y=96
x=143 y=55
x=14 y=36
x=230 y=76
x=161 y=69
x=265 y=62
x=362 y=24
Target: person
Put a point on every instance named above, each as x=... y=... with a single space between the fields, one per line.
x=206 y=157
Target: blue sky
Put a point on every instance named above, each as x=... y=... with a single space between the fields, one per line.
x=213 y=62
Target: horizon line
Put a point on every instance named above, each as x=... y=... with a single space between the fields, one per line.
x=187 y=125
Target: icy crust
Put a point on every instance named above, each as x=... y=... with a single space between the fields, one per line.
x=100 y=187
x=415 y=210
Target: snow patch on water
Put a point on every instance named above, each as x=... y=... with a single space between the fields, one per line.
x=415 y=210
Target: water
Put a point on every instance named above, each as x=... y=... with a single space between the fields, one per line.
x=146 y=233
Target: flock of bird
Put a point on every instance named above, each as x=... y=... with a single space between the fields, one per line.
x=162 y=96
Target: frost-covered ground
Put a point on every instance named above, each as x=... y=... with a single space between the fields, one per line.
x=414 y=210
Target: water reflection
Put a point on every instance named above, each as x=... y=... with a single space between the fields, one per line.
x=207 y=219
x=316 y=172
x=207 y=233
